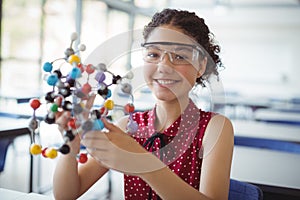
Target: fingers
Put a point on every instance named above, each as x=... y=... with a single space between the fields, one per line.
x=62 y=120
x=99 y=146
x=94 y=135
x=90 y=102
x=88 y=105
x=95 y=140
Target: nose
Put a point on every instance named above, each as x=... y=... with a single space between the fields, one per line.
x=166 y=57
x=165 y=66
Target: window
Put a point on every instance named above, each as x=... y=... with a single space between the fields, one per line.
x=20 y=47
x=34 y=32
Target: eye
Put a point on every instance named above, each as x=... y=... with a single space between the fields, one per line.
x=180 y=57
x=181 y=54
x=152 y=53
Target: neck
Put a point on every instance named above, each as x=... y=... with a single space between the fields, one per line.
x=168 y=112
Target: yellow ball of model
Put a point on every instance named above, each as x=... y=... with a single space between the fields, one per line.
x=35 y=149
x=51 y=153
x=74 y=59
x=109 y=104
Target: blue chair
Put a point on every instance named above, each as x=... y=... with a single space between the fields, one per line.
x=240 y=190
x=4 y=143
x=277 y=145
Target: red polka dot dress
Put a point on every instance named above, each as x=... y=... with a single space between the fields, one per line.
x=179 y=147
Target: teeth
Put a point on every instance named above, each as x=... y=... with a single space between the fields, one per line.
x=165 y=82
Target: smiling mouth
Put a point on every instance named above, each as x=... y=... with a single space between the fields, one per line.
x=166 y=81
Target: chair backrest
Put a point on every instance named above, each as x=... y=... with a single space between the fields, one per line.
x=240 y=190
x=4 y=143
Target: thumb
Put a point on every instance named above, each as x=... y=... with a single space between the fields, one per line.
x=109 y=126
x=62 y=120
x=90 y=102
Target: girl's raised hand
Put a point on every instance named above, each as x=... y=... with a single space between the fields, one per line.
x=117 y=150
x=62 y=119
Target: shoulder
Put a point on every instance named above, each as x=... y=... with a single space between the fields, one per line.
x=219 y=128
x=220 y=121
x=218 y=144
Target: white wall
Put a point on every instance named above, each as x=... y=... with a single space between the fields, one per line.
x=260 y=49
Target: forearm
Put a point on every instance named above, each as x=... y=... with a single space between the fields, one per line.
x=66 y=182
x=169 y=186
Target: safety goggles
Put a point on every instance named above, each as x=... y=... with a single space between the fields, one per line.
x=179 y=54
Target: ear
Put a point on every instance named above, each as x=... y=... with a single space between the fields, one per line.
x=202 y=67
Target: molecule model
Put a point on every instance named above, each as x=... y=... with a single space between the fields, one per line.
x=68 y=93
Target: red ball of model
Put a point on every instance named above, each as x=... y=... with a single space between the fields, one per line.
x=129 y=108
x=35 y=103
x=89 y=69
x=72 y=123
x=82 y=158
x=44 y=152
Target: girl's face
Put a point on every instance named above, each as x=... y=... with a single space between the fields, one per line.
x=172 y=63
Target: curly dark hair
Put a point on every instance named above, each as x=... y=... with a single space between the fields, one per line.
x=193 y=26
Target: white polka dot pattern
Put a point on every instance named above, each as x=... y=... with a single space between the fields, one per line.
x=181 y=154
